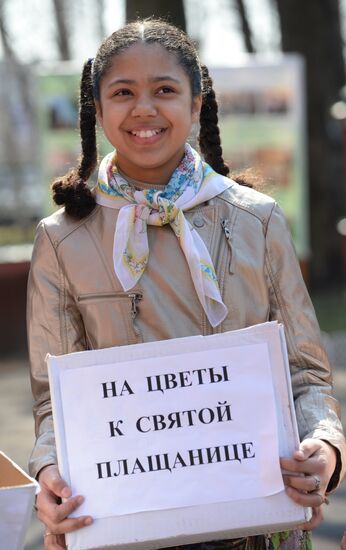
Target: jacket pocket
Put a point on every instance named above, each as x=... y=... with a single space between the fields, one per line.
x=110 y=317
x=135 y=297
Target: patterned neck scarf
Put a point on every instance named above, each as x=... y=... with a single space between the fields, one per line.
x=192 y=182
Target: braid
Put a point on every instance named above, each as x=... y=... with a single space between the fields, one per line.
x=87 y=123
x=209 y=134
x=72 y=189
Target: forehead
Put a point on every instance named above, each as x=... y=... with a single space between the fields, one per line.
x=143 y=59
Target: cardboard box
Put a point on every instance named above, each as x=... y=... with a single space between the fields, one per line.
x=17 y=494
x=149 y=529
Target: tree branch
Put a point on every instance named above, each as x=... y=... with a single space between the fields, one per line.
x=63 y=40
x=245 y=26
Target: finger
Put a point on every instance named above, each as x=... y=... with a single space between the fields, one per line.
x=50 y=512
x=62 y=511
x=310 y=466
x=46 y=506
x=316 y=519
x=289 y=464
x=51 y=478
x=54 y=542
x=67 y=525
x=46 y=499
x=303 y=483
x=55 y=517
x=305 y=499
x=307 y=448
x=343 y=542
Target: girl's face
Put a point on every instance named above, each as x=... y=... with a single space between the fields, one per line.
x=146 y=111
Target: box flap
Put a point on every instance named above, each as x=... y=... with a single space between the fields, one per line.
x=12 y=475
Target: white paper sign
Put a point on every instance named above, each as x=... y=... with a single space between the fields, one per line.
x=167 y=432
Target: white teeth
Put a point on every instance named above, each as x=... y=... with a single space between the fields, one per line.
x=145 y=133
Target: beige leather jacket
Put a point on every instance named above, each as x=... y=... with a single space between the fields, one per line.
x=75 y=301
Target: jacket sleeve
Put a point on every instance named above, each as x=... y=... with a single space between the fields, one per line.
x=317 y=411
x=54 y=326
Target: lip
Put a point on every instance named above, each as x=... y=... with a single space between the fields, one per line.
x=146 y=140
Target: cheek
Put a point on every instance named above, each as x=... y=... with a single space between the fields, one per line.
x=112 y=111
x=183 y=109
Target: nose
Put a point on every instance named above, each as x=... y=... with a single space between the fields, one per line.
x=144 y=106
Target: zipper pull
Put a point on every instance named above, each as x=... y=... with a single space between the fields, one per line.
x=224 y=225
x=225 y=228
x=135 y=298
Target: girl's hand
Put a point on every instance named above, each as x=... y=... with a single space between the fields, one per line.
x=343 y=542
x=310 y=471
x=53 y=513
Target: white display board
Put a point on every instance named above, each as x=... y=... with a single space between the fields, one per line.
x=177 y=441
x=262 y=119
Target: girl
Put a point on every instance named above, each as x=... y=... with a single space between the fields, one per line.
x=220 y=258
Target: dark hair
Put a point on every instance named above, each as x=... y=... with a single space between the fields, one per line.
x=72 y=189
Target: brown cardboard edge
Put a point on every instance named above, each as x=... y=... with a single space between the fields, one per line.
x=12 y=475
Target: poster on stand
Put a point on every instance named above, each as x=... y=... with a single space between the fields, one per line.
x=262 y=118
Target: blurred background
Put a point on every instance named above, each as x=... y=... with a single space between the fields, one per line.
x=279 y=73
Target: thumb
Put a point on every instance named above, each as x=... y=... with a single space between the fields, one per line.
x=306 y=449
x=51 y=478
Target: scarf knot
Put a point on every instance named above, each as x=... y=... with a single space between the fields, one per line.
x=157 y=210
x=192 y=183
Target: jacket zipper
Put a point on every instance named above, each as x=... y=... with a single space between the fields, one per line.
x=135 y=298
x=226 y=230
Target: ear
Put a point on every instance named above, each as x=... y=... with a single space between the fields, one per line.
x=99 y=115
x=196 y=107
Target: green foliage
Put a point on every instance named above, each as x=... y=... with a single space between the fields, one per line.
x=330 y=309
x=15 y=234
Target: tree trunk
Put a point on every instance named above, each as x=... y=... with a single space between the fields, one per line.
x=63 y=38
x=100 y=9
x=312 y=28
x=168 y=10
x=245 y=26
x=8 y=52
x=17 y=85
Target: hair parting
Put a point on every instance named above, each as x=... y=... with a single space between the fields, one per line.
x=72 y=189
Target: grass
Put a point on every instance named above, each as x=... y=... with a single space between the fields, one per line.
x=15 y=234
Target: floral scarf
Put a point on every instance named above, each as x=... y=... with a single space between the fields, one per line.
x=192 y=182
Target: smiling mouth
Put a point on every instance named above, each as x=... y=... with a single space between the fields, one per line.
x=147 y=133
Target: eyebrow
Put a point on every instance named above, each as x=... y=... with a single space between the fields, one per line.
x=152 y=79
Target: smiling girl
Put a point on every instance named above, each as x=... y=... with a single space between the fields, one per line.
x=167 y=246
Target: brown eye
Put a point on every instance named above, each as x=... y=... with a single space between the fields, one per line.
x=122 y=92
x=165 y=90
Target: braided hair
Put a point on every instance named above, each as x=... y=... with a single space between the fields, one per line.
x=209 y=134
x=72 y=189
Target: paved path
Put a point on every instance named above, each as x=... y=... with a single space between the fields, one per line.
x=16 y=438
